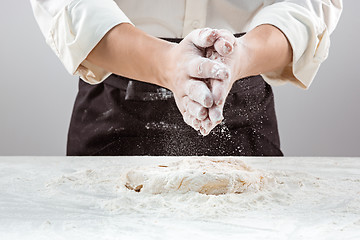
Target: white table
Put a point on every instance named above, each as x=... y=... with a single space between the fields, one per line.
x=80 y=198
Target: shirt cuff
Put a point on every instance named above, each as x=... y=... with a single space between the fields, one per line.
x=308 y=37
x=77 y=29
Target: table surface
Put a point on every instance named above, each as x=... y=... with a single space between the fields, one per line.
x=80 y=197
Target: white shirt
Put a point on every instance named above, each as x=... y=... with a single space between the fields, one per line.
x=72 y=28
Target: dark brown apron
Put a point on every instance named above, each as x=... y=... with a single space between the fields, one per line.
x=121 y=116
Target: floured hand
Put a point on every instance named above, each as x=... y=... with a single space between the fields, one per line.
x=189 y=70
x=219 y=46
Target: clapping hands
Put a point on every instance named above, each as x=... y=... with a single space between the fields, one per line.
x=200 y=70
x=204 y=70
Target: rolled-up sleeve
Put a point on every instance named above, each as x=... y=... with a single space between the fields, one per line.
x=72 y=28
x=307 y=24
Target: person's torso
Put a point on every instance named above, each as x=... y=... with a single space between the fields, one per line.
x=176 y=18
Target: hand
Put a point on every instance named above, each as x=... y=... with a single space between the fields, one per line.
x=220 y=88
x=262 y=50
x=197 y=82
x=188 y=73
x=130 y=52
x=218 y=46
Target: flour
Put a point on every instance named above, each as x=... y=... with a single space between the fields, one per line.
x=86 y=198
x=202 y=175
x=160 y=126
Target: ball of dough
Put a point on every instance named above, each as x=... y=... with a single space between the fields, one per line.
x=203 y=175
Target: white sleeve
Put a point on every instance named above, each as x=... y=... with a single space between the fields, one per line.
x=72 y=28
x=307 y=24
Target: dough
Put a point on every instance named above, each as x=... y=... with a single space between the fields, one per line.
x=204 y=175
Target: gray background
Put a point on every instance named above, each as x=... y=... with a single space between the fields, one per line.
x=37 y=94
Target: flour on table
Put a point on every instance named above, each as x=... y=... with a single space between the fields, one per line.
x=74 y=198
x=202 y=175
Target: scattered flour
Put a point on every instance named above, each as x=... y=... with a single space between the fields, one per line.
x=86 y=198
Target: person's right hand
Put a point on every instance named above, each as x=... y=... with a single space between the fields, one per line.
x=220 y=87
x=263 y=49
x=188 y=71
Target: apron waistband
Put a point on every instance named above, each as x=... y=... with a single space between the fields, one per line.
x=178 y=40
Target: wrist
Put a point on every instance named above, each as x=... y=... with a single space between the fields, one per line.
x=242 y=56
x=263 y=49
x=166 y=65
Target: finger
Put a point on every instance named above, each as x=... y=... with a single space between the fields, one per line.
x=223 y=47
x=206 y=131
x=216 y=115
x=206 y=127
x=227 y=35
x=219 y=90
x=199 y=92
x=201 y=67
x=191 y=121
x=195 y=109
x=204 y=38
x=203 y=131
x=212 y=54
x=196 y=124
x=225 y=43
